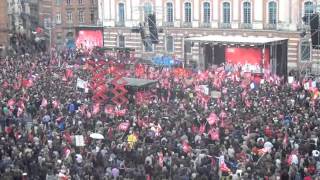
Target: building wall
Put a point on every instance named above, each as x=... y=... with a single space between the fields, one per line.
x=289 y=24
x=4 y=29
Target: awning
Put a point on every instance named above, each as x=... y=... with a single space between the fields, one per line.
x=236 y=40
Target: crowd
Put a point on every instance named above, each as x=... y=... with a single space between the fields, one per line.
x=253 y=129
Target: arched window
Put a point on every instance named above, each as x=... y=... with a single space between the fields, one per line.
x=206 y=12
x=226 y=12
x=169 y=12
x=187 y=12
x=247 y=13
x=308 y=11
x=121 y=12
x=272 y=12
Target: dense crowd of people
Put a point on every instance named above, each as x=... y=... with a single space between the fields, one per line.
x=251 y=129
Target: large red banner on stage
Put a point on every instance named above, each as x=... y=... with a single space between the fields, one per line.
x=252 y=58
x=89 y=39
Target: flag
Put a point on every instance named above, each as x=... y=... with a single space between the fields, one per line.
x=27 y=83
x=124 y=126
x=96 y=108
x=44 y=103
x=69 y=73
x=121 y=112
x=186 y=147
x=214 y=134
x=212 y=119
x=224 y=167
x=109 y=110
x=55 y=104
x=202 y=128
x=11 y=102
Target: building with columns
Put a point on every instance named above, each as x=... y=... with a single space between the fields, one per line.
x=181 y=19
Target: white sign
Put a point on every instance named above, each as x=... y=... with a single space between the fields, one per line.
x=81 y=84
x=204 y=89
x=215 y=94
x=79 y=140
x=290 y=79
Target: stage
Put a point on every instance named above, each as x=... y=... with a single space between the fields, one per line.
x=254 y=54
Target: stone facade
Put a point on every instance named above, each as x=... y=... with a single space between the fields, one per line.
x=4 y=28
x=287 y=24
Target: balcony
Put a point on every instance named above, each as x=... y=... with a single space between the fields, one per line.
x=225 y=25
x=186 y=25
x=246 y=26
x=168 y=24
x=270 y=26
x=120 y=24
x=205 y=25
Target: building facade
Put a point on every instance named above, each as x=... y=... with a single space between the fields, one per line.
x=4 y=28
x=180 y=19
x=65 y=16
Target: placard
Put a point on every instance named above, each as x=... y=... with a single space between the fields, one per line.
x=215 y=94
x=79 y=140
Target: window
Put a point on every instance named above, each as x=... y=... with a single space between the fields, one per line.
x=169 y=12
x=226 y=12
x=187 y=12
x=68 y=2
x=148 y=9
x=272 y=12
x=121 y=12
x=58 y=2
x=81 y=16
x=169 y=44
x=206 y=12
x=80 y=2
x=148 y=45
x=305 y=50
x=92 y=17
x=308 y=11
x=121 y=41
x=187 y=46
x=58 y=18
x=69 y=17
x=247 y=12
x=92 y=1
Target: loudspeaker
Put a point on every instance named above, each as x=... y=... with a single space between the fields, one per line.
x=153 y=28
x=314 y=26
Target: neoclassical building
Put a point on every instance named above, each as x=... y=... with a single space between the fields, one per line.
x=181 y=19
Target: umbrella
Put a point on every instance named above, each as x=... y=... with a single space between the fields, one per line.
x=268 y=145
x=96 y=136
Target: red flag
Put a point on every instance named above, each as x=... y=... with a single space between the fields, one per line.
x=214 y=134
x=121 y=112
x=27 y=83
x=11 y=102
x=202 y=128
x=124 y=126
x=5 y=84
x=96 y=108
x=186 y=147
x=212 y=119
x=69 y=73
x=224 y=167
x=44 y=102
x=109 y=110
x=55 y=104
